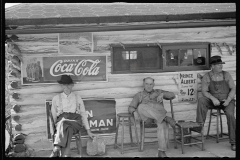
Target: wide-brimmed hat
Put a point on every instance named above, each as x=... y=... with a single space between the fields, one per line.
x=216 y=60
x=65 y=79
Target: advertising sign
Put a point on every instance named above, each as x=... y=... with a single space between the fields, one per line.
x=36 y=70
x=187 y=87
x=101 y=116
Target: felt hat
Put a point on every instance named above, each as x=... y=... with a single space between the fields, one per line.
x=65 y=79
x=216 y=60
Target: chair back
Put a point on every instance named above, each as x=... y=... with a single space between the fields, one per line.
x=50 y=122
x=172 y=112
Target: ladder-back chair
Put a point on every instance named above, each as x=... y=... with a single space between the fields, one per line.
x=52 y=127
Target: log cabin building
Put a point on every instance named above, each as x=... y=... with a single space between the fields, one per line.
x=132 y=41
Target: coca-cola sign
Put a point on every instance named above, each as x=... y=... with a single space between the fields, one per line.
x=49 y=69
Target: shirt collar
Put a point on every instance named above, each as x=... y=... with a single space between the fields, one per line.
x=66 y=96
x=216 y=74
x=149 y=92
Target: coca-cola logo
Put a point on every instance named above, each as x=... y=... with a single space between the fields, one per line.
x=75 y=67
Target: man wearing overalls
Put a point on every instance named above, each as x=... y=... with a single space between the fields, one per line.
x=218 y=91
x=69 y=116
x=148 y=104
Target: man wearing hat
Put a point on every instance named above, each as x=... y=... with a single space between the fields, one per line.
x=69 y=115
x=218 y=91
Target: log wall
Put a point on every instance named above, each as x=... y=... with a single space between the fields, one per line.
x=122 y=87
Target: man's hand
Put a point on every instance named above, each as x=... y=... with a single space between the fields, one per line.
x=160 y=98
x=136 y=116
x=90 y=134
x=215 y=101
x=226 y=102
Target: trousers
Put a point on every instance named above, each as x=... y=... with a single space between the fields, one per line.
x=146 y=111
x=67 y=125
x=205 y=103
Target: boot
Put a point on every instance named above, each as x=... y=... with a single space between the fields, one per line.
x=55 y=152
x=161 y=154
x=170 y=121
x=233 y=147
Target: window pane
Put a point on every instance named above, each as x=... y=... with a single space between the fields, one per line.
x=199 y=56
x=133 y=54
x=145 y=59
x=172 y=57
x=125 y=55
x=186 y=57
x=121 y=60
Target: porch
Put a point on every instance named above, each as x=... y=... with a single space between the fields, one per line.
x=212 y=149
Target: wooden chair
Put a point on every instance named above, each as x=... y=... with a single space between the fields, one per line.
x=153 y=125
x=183 y=130
x=50 y=124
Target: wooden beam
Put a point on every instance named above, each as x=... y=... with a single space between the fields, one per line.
x=99 y=28
x=119 y=19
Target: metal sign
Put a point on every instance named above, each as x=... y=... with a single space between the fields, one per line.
x=36 y=70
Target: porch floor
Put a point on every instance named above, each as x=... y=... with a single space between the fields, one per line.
x=212 y=149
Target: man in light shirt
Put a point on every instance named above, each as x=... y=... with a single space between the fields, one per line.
x=147 y=105
x=69 y=116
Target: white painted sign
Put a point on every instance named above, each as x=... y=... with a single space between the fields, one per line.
x=187 y=87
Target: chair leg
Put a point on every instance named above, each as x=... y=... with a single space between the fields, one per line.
x=190 y=138
x=202 y=135
x=122 y=137
x=175 y=138
x=116 y=136
x=80 y=144
x=182 y=140
x=130 y=130
x=143 y=136
x=221 y=134
x=209 y=124
x=136 y=134
x=217 y=126
x=77 y=144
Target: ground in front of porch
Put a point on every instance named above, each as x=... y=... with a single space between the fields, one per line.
x=212 y=149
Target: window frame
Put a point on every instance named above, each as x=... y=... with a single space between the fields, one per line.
x=133 y=46
x=202 y=45
x=164 y=47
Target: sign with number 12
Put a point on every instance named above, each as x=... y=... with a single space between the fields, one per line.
x=187 y=87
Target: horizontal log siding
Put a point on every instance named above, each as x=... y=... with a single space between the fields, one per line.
x=121 y=87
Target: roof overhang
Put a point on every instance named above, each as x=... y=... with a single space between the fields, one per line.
x=102 y=28
x=118 y=19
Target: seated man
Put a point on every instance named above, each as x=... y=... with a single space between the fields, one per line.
x=148 y=104
x=69 y=116
x=218 y=91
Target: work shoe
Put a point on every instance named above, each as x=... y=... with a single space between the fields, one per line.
x=161 y=154
x=55 y=152
x=233 y=147
x=170 y=121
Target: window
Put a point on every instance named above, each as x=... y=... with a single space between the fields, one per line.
x=186 y=57
x=137 y=59
x=153 y=58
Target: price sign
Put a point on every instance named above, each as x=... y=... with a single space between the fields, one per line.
x=187 y=90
